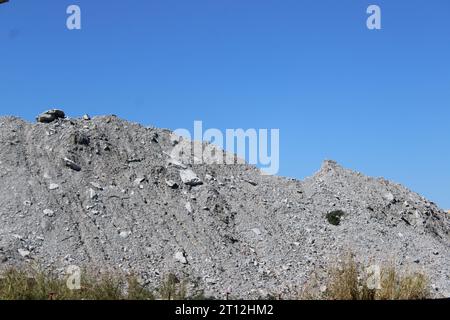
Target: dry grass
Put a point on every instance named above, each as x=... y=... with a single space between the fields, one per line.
x=346 y=281
x=172 y=289
x=350 y=281
x=34 y=285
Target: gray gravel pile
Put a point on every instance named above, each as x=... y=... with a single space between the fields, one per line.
x=105 y=193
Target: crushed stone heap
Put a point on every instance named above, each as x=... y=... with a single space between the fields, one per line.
x=105 y=193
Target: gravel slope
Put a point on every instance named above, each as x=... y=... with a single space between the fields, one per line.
x=105 y=193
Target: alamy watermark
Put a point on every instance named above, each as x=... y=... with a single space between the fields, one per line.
x=374 y=20
x=234 y=146
x=73 y=281
x=73 y=21
x=373 y=280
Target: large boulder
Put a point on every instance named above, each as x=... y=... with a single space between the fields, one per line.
x=50 y=116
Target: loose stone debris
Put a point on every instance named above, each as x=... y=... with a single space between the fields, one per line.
x=114 y=199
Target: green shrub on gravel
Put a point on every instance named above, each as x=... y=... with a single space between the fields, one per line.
x=334 y=217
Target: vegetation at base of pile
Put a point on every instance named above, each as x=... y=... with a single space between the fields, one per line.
x=350 y=280
x=35 y=285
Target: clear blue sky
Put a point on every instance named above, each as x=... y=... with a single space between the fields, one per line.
x=375 y=101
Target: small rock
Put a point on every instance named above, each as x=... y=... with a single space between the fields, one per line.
x=256 y=231
x=180 y=257
x=96 y=185
x=92 y=194
x=251 y=182
x=154 y=137
x=86 y=117
x=190 y=178
x=24 y=253
x=139 y=180
x=49 y=213
x=389 y=197
x=188 y=207
x=172 y=184
x=53 y=186
x=125 y=234
x=71 y=164
x=210 y=280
